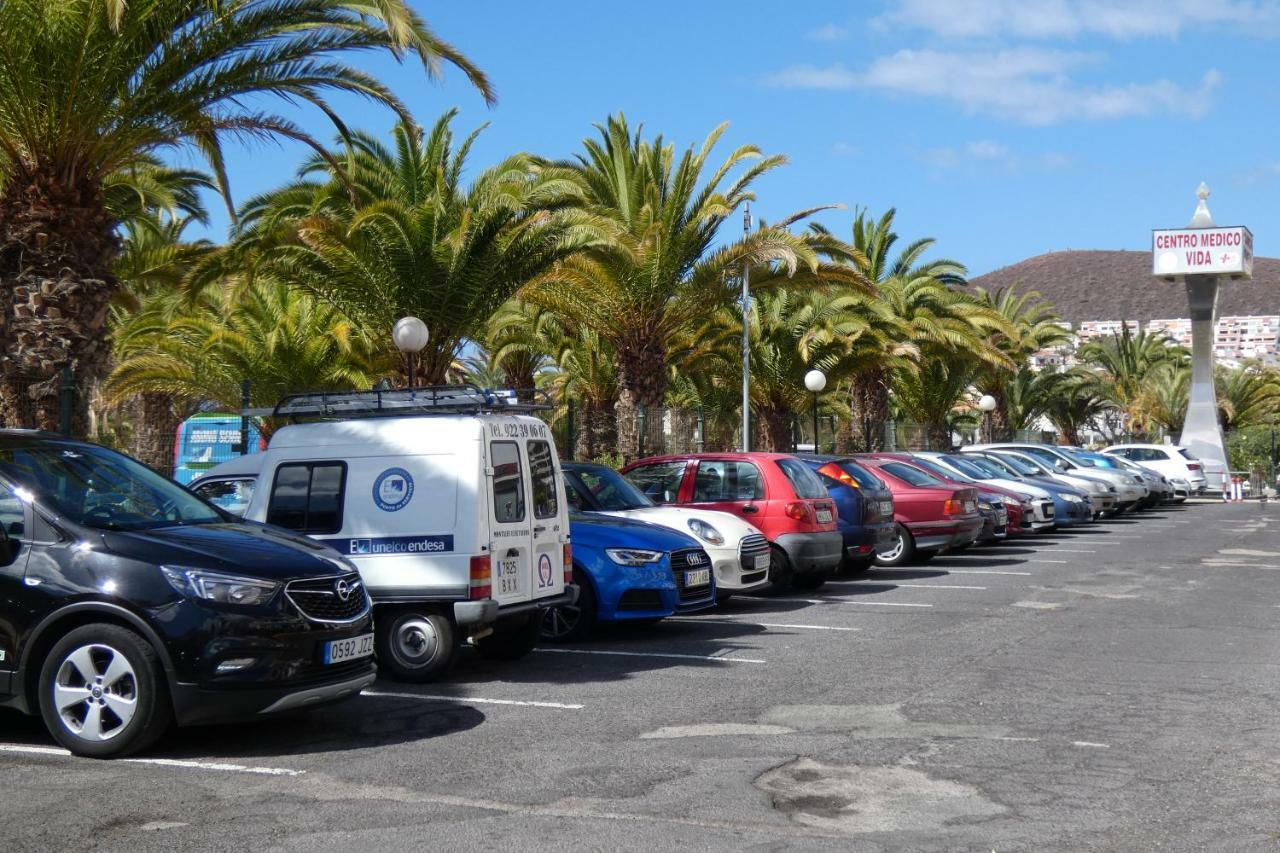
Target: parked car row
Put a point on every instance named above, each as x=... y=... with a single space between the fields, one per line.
x=401 y=525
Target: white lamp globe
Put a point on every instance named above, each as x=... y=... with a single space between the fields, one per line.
x=987 y=403
x=815 y=380
x=410 y=335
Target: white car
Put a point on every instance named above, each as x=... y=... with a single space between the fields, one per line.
x=1037 y=503
x=739 y=552
x=1127 y=490
x=1174 y=462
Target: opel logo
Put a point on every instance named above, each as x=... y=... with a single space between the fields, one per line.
x=343 y=589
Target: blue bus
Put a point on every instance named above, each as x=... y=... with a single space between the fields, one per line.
x=206 y=440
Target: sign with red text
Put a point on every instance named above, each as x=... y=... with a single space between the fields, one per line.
x=1202 y=251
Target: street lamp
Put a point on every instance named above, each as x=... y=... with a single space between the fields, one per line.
x=410 y=335
x=815 y=381
x=987 y=404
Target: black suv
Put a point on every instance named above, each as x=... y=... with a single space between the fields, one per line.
x=127 y=603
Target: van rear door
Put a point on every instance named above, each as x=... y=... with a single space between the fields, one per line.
x=549 y=517
x=512 y=524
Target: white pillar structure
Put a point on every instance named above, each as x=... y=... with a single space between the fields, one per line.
x=1201 y=255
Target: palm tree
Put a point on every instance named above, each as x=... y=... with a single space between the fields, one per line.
x=1072 y=402
x=1247 y=396
x=929 y=394
x=93 y=87
x=1029 y=327
x=659 y=272
x=1123 y=367
x=278 y=339
x=395 y=232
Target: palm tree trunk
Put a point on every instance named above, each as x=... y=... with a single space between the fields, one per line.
x=939 y=433
x=57 y=244
x=156 y=421
x=774 y=423
x=1000 y=429
x=869 y=407
x=642 y=381
x=595 y=431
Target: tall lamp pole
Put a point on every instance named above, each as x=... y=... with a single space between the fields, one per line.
x=410 y=335
x=815 y=381
x=746 y=339
x=987 y=404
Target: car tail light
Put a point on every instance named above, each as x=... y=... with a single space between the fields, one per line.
x=481 y=577
x=568 y=563
x=1193 y=466
x=798 y=510
x=953 y=506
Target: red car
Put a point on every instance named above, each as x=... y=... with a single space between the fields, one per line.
x=994 y=496
x=930 y=515
x=776 y=492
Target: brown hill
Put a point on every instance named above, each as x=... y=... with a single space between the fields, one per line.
x=1097 y=285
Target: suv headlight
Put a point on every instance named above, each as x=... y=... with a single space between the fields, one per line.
x=705 y=531
x=633 y=556
x=215 y=586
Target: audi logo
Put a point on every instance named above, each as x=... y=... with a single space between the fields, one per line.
x=696 y=559
x=342 y=589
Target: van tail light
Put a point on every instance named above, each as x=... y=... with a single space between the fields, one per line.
x=568 y=563
x=481 y=578
x=798 y=510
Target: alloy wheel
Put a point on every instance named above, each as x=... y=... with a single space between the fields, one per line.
x=95 y=692
x=561 y=621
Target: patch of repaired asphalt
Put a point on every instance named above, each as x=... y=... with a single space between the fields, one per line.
x=855 y=721
x=871 y=799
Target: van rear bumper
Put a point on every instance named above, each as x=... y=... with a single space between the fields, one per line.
x=486 y=611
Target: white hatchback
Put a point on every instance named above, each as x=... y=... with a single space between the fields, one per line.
x=1174 y=462
x=739 y=552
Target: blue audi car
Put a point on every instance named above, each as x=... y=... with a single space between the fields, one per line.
x=629 y=570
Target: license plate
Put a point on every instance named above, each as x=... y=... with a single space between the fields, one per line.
x=698 y=577
x=970 y=506
x=1002 y=517
x=336 y=651
x=760 y=561
x=508 y=580
x=824 y=516
x=886 y=508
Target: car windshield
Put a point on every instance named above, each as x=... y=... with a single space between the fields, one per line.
x=973 y=467
x=1047 y=457
x=1187 y=454
x=806 y=483
x=911 y=475
x=1081 y=458
x=863 y=477
x=941 y=470
x=102 y=489
x=1025 y=467
x=605 y=490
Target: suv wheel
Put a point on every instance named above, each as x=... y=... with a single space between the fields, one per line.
x=416 y=645
x=511 y=641
x=103 y=693
x=571 y=623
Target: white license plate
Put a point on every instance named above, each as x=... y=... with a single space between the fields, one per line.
x=336 y=651
x=698 y=577
x=507 y=581
x=824 y=516
x=761 y=561
x=970 y=506
x=886 y=508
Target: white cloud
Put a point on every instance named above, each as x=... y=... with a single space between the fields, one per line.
x=1120 y=19
x=982 y=150
x=1027 y=85
x=829 y=32
x=846 y=149
x=986 y=149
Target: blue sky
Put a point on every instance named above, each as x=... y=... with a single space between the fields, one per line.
x=1002 y=128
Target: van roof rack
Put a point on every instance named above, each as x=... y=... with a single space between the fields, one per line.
x=402 y=402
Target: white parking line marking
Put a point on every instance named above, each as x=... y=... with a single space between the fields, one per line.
x=938 y=586
x=1061 y=562
x=786 y=600
x=694 y=620
x=471 y=700
x=161 y=762
x=985 y=572
x=883 y=603
x=1091 y=744
x=1063 y=551
x=648 y=655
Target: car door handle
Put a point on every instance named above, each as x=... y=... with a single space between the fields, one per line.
x=538 y=530
x=751 y=508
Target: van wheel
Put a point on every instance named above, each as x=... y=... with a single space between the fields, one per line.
x=103 y=692
x=780 y=573
x=415 y=645
x=571 y=623
x=511 y=641
x=903 y=549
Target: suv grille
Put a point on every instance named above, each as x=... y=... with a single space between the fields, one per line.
x=321 y=599
x=687 y=561
x=751 y=547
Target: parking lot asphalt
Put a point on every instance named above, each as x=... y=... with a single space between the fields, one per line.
x=1109 y=689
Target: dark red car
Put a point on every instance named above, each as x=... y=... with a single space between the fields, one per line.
x=776 y=492
x=930 y=515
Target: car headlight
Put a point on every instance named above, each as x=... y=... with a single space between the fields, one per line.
x=215 y=586
x=1074 y=499
x=633 y=556
x=705 y=531
x=1008 y=501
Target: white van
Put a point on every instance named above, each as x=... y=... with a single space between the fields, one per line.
x=449 y=502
